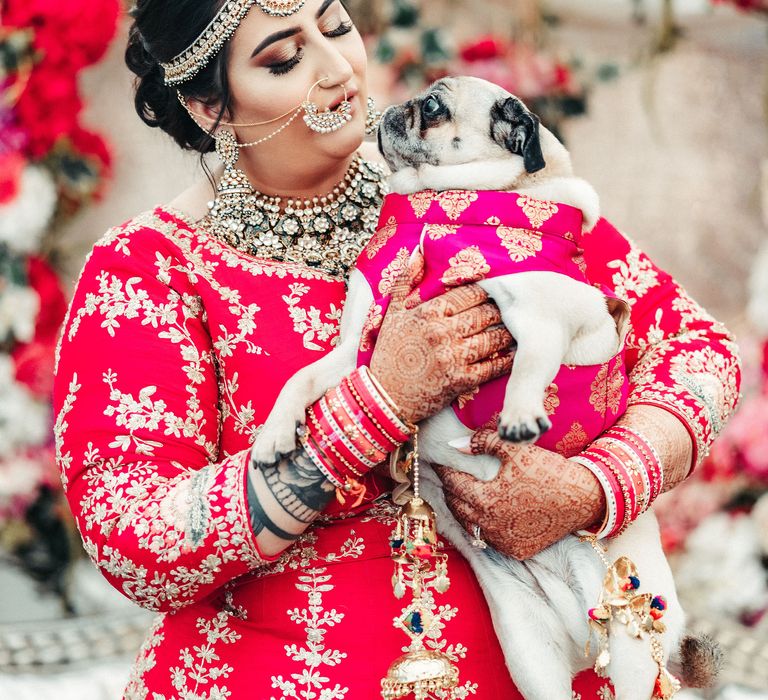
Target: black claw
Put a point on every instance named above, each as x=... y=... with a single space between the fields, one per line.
x=544 y=424
x=508 y=433
x=526 y=433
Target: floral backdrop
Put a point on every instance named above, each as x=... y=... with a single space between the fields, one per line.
x=51 y=165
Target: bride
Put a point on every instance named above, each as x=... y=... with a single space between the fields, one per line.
x=274 y=581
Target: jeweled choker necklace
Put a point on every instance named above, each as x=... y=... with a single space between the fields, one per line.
x=324 y=232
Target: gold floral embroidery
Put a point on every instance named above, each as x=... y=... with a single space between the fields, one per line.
x=199 y=675
x=634 y=276
x=654 y=335
x=372 y=322
x=313 y=619
x=455 y=202
x=521 y=243
x=145 y=662
x=468 y=265
x=574 y=441
x=605 y=391
x=551 y=399
x=314 y=581
x=380 y=238
x=64 y=457
x=578 y=258
x=309 y=323
x=691 y=312
x=710 y=378
x=437 y=231
x=136 y=414
x=392 y=271
x=701 y=414
x=605 y=693
x=420 y=202
x=537 y=210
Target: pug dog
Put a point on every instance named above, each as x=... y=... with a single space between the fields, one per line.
x=468 y=134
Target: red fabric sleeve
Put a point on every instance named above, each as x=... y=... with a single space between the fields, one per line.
x=678 y=356
x=160 y=512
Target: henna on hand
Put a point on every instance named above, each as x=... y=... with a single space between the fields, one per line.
x=538 y=496
x=536 y=499
x=430 y=352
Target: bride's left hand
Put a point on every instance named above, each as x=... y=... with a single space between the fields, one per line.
x=536 y=499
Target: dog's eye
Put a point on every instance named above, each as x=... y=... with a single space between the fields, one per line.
x=431 y=107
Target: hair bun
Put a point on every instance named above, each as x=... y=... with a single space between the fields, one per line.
x=161 y=30
x=138 y=56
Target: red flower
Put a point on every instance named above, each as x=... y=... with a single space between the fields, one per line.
x=48 y=109
x=34 y=361
x=11 y=168
x=91 y=145
x=74 y=33
x=484 y=49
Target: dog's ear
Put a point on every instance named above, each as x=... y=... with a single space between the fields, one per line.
x=517 y=129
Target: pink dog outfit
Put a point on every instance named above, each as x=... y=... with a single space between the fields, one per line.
x=467 y=236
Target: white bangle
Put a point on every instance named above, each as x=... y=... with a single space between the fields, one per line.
x=611 y=511
x=639 y=465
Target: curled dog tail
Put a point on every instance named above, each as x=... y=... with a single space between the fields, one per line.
x=698 y=661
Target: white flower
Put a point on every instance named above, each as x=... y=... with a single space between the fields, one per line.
x=24 y=220
x=18 y=311
x=18 y=477
x=23 y=420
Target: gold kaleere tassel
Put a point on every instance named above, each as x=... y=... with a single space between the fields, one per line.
x=422 y=568
x=641 y=613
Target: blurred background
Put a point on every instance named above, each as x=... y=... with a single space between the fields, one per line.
x=664 y=107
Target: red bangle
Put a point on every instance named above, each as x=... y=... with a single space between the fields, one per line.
x=350 y=430
x=619 y=483
x=355 y=431
x=625 y=478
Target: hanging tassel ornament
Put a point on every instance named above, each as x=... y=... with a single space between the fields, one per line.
x=641 y=613
x=421 y=568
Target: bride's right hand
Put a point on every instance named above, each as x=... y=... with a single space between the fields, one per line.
x=427 y=353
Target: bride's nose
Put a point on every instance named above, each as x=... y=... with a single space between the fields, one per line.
x=335 y=66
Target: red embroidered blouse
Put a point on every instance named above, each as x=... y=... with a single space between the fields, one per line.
x=173 y=351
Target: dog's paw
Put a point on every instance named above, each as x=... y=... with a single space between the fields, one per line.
x=275 y=440
x=523 y=426
x=405 y=181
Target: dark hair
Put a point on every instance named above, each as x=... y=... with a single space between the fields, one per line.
x=161 y=30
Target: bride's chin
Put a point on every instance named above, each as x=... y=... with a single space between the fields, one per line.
x=343 y=142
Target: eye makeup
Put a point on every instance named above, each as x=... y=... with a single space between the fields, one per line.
x=281 y=66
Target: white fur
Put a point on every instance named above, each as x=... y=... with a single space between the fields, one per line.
x=539 y=605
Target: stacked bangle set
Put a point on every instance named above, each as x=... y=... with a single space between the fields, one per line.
x=350 y=430
x=630 y=473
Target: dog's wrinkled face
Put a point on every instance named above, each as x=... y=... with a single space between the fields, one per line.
x=460 y=120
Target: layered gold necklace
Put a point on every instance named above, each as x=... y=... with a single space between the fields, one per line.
x=326 y=232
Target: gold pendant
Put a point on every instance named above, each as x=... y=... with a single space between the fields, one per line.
x=421 y=567
x=640 y=613
x=418 y=673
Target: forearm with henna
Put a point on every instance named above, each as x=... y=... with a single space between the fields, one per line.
x=539 y=497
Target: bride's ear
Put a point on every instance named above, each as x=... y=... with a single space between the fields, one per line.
x=208 y=113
